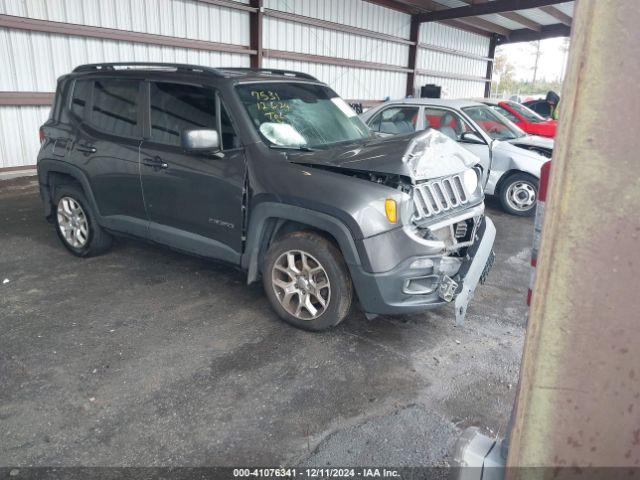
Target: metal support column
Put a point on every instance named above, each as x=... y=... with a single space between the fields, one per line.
x=255 y=33
x=579 y=394
x=414 y=36
x=492 y=55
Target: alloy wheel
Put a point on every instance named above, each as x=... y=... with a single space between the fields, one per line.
x=73 y=222
x=301 y=284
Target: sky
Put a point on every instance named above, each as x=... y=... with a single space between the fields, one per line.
x=551 y=64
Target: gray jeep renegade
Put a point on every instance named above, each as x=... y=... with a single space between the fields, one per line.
x=272 y=172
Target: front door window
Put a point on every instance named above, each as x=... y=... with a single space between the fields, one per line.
x=446 y=122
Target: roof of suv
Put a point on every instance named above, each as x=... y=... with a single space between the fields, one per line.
x=222 y=73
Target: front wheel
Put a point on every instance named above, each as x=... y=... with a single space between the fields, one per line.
x=307 y=281
x=518 y=194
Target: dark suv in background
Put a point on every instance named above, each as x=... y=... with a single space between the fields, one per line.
x=270 y=171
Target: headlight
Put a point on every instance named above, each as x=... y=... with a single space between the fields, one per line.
x=470 y=180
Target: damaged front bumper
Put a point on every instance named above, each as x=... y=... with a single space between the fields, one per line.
x=426 y=279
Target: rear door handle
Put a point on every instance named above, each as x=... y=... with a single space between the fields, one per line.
x=83 y=147
x=155 y=162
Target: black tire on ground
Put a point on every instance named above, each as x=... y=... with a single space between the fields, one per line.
x=519 y=183
x=98 y=240
x=320 y=251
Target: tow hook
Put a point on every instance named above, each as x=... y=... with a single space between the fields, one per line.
x=447 y=288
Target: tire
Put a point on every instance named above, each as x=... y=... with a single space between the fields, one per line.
x=324 y=265
x=519 y=193
x=72 y=212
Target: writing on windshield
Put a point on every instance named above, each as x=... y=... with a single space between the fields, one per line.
x=268 y=102
x=296 y=114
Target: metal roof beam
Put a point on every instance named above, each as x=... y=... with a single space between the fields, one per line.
x=483 y=24
x=522 y=20
x=557 y=14
x=513 y=16
x=526 y=35
x=497 y=6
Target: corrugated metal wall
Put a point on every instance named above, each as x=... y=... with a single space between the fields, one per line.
x=349 y=82
x=448 y=37
x=19 y=134
x=31 y=61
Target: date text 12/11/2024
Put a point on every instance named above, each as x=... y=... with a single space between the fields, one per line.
x=316 y=473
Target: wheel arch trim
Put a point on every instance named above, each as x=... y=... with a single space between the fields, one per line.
x=47 y=167
x=258 y=232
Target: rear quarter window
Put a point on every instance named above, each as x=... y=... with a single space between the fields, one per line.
x=80 y=97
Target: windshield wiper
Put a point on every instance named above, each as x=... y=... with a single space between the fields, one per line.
x=302 y=148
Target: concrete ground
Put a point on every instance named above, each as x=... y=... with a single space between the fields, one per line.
x=144 y=356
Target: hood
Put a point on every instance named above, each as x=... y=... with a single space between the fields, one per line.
x=432 y=155
x=513 y=149
x=533 y=141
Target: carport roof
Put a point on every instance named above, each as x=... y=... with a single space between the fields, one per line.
x=510 y=20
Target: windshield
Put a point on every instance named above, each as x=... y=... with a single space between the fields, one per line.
x=300 y=115
x=493 y=124
x=527 y=113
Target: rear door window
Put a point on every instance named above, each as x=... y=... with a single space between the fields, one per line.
x=176 y=107
x=395 y=120
x=115 y=107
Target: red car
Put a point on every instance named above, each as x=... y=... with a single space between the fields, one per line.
x=523 y=117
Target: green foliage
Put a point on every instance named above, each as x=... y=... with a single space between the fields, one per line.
x=505 y=84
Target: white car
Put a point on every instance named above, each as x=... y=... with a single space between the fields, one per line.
x=511 y=158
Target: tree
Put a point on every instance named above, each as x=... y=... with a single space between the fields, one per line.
x=503 y=73
x=536 y=56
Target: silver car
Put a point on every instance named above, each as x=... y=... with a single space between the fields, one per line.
x=511 y=159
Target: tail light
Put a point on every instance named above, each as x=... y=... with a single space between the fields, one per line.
x=42 y=136
x=537 y=228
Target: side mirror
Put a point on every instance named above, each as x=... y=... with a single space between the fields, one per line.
x=471 y=137
x=200 y=140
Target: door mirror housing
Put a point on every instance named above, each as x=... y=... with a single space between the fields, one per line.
x=201 y=140
x=471 y=137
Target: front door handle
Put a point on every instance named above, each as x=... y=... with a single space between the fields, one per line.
x=155 y=162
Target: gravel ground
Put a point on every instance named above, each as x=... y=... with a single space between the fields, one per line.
x=148 y=357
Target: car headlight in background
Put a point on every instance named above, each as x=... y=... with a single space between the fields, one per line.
x=470 y=180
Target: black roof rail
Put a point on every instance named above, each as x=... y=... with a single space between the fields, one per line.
x=180 y=67
x=271 y=71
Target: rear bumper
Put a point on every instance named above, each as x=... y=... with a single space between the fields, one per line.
x=385 y=293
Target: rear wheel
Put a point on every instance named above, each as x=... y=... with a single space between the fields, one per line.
x=518 y=194
x=76 y=225
x=307 y=281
